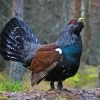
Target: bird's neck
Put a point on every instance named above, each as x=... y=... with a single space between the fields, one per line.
x=66 y=38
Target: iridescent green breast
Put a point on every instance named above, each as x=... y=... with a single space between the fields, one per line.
x=72 y=53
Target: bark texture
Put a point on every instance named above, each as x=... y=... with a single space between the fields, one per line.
x=16 y=70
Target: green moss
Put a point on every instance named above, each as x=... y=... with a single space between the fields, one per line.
x=86 y=77
x=7 y=85
x=3 y=77
x=12 y=87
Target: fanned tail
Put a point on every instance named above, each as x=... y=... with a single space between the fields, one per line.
x=15 y=40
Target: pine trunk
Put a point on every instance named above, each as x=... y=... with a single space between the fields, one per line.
x=16 y=69
x=87 y=31
x=95 y=35
x=77 y=8
x=95 y=39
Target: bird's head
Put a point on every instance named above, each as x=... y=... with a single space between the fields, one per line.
x=76 y=26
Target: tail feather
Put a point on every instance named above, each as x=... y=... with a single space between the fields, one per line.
x=12 y=55
x=10 y=47
x=14 y=40
x=7 y=37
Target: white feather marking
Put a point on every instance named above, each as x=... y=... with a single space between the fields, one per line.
x=59 y=50
x=16 y=28
x=36 y=41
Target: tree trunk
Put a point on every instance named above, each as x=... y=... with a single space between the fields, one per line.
x=4 y=16
x=98 y=80
x=95 y=39
x=87 y=31
x=77 y=8
x=65 y=10
x=17 y=8
x=95 y=35
x=16 y=69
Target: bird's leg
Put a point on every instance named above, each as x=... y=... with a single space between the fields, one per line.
x=60 y=85
x=52 y=85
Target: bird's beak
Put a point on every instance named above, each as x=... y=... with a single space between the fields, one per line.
x=81 y=20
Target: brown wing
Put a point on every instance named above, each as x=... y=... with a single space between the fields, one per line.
x=44 y=61
x=38 y=77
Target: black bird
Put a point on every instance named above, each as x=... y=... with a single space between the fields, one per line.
x=54 y=62
x=71 y=45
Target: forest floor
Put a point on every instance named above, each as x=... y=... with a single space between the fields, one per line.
x=84 y=94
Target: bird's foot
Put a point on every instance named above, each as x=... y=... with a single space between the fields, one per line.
x=52 y=86
x=60 y=85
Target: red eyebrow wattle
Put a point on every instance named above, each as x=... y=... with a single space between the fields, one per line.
x=72 y=21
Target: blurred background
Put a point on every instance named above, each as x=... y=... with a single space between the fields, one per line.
x=47 y=18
